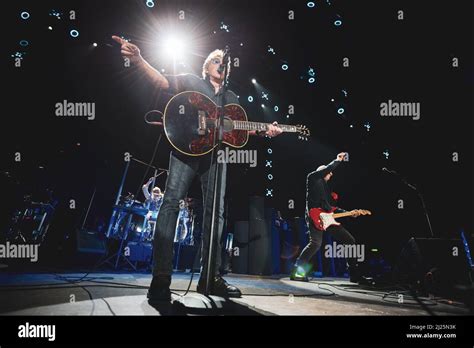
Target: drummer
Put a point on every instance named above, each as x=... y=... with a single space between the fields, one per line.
x=153 y=201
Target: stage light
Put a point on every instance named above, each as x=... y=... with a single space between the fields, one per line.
x=311 y=72
x=352 y=126
x=338 y=21
x=139 y=229
x=55 y=13
x=224 y=27
x=284 y=67
x=386 y=154
x=241 y=44
x=268 y=163
x=367 y=126
x=24 y=43
x=287 y=116
x=174 y=47
x=262 y=106
x=264 y=95
x=74 y=33
x=310 y=4
x=270 y=177
x=269 y=151
x=94 y=44
x=340 y=111
x=332 y=100
x=269 y=192
x=345 y=93
x=276 y=108
x=24 y=15
x=18 y=55
x=311 y=80
x=50 y=28
x=150 y=3
x=254 y=81
x=270 y=50
x=250 y=98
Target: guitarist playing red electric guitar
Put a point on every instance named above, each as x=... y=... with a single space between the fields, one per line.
x=321 y=212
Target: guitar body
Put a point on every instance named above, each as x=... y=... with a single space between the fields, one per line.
x=322 y=219
x=189 y=121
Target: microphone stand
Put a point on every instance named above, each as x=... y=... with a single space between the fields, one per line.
x=420 y=196
x=217 y=176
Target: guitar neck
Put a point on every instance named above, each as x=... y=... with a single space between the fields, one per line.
x=260 y=126
x=347 y=213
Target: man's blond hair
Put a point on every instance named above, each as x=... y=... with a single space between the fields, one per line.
x=212 y=55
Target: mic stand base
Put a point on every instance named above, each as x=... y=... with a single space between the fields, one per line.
x=200 y=304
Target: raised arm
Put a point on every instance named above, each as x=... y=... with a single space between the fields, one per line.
x=146 y=193
x=132 y=52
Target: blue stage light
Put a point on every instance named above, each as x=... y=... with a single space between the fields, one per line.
x=340 y=111
x=24 y=15
x=284 y=67
x=250 y=98
x=24 y=43
x=269 y=151
x=310 y=4
x=150 y=3
x=270 y=177
x=276 y=108
x=311 y=80
x=74 y=33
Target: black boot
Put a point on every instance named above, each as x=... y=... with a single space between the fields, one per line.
x=159 y=290
x=219 y=288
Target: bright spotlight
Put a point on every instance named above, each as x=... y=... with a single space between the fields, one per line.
x=284 y=67
x=311 y=80
x=74 y=33
x=174 y=47
x=310 y=4
x=254 y=81
x=24 y=15
x=340 y=111
x=94 y=44
x=250 y=99
x=263 y=105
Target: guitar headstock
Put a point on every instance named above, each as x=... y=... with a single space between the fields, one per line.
x=304 y=132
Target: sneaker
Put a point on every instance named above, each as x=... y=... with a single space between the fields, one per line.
x=220 y=288
x=298 y=274
x=159 y=290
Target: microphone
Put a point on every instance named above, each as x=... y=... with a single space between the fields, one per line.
x=225 y=59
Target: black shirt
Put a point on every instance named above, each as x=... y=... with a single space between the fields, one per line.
x=318 y=193
x=190 y=82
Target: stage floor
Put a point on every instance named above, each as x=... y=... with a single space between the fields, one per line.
x=125 y=294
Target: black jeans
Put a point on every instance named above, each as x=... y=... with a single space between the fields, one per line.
x=339 y=233
x=181 y=174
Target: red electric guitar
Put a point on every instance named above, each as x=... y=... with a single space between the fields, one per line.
x=323 y=219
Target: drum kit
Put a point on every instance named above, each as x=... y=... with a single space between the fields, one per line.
x=133 y=224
